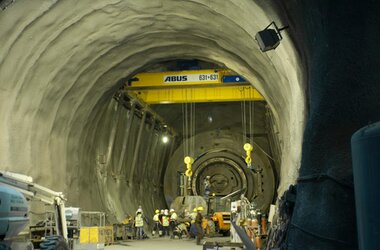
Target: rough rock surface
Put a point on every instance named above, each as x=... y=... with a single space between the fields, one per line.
x=61 y=61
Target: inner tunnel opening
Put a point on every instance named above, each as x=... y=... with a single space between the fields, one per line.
x=138 y=119
x=68 y=123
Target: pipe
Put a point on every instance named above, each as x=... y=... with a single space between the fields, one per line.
x=231 y=194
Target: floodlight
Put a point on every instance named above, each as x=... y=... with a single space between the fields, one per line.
x=165 y=139
x=269 y=39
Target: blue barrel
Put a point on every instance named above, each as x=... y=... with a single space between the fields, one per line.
x=365 y=144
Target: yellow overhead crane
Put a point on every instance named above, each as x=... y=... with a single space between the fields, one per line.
x=191 y=86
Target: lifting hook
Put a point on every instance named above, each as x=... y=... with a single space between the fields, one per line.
x=248 y=149
x=188 y=161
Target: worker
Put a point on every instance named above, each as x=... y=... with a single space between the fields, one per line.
x=186 y=214
x=139 y=224
x=193 y=231
x=161 y=214
x=127 y=226
x=156 y=221
x=207 y=186
x=198 y=224
x=173 y=220
x=193 y=215
x=140 y=209
x=165 y=223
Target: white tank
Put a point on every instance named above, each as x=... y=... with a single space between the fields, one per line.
x=13 y=212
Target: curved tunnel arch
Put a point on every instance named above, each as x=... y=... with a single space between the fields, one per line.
x=61 y=63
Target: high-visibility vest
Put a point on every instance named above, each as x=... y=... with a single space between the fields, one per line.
x=139 y=221
x=173 y=217
x=165 y=221
x=155 y=218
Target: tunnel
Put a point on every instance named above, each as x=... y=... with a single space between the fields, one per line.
x=66 y=123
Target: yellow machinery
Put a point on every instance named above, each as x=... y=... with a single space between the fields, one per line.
x=96 y=235
x=191 y=86
x=248 y=149
x=93 y=232
x=222 y=222
x=91 y=235
x=188 y=161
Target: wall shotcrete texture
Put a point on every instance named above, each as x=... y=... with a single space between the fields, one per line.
x=60 y=64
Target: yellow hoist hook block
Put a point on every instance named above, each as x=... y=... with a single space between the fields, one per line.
x=248 y=149
x=188 y=161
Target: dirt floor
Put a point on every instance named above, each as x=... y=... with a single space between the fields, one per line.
x=163 y=243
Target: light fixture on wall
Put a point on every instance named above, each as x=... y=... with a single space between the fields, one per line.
x=165 y=135
x=269 y=39
x=165 y=139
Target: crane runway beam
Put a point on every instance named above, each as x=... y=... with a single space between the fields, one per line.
x=189 y=86
x=222 y=94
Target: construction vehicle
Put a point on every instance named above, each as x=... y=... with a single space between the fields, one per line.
x=219 y=210
x=15 y=189
x=222 y=222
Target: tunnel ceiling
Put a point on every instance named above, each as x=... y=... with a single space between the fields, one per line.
x=62 y=61
x=176 y=65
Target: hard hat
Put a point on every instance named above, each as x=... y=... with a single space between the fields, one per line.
x=195 y=209
x=208 y=177
x=162 y=211
x=171 y=210
x=200 y=208
x=166 y=212
x=139 y=210
x=157 y=211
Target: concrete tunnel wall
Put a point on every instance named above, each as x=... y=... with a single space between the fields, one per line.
x=60 y=63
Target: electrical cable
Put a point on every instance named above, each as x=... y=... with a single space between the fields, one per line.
x=186 y=129
x=250 y=122
x=190 y=127
x=183 y=129
x=245 y=120
x=253 y=121
x=262 y=150
x=242 y=120
x=193 y=146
